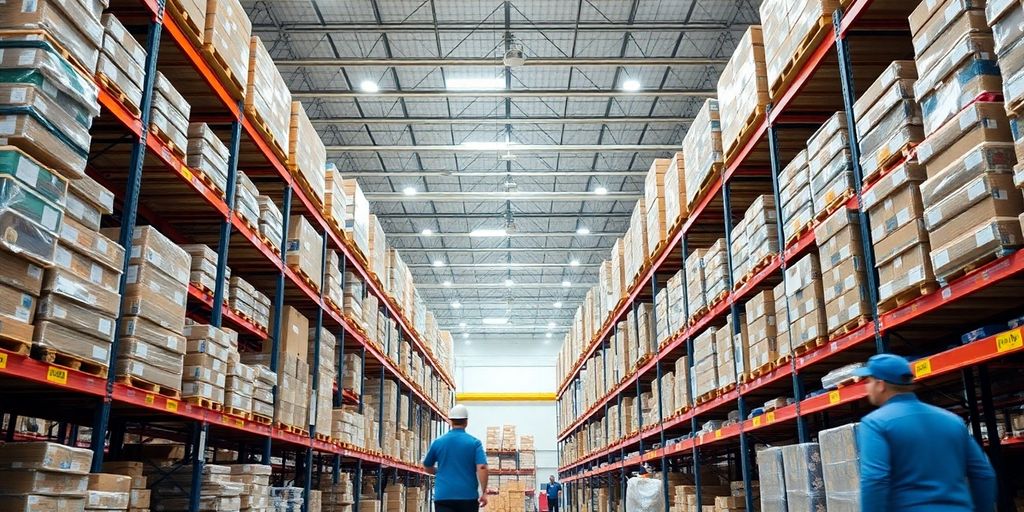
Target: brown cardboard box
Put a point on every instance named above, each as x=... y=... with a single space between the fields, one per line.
x=294 y=333
x=152 y=334
x=227 y=31
x=89 y=191
x=21 y=481
x=159 y=303
x=907 y=269
x=75 y=28
x=989 y=196
x=62 y=282
x=108 y=482
x=852 y=305
x=67 y=341
x=305 y=246
x=978 y=123
x=147 y=371
x=132 y=469
x=306 y=153
x=978 y=243
x=941 y=60
x=986 y=158
x=39 y=503
x=151 y=247
x=843 y=277
x=99 y=247
x=896 y=71
x=45 y=456
x=956 y=20
x=86 y=268
x=267 y=94
x=68 y=313
x=20 y=274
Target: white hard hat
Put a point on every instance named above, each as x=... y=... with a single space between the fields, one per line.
x=459 y=412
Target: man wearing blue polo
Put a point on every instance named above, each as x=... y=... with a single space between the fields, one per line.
x=553 y=491
x=916 y=457
x=459 y=464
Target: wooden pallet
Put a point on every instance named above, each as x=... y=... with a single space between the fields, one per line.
x=155 y=131
x=799 y=232
x=43 y=35
x=305 y=278
x=718 y=299
x=266 y=241
x=975 y=265
x=240 y=413
x=291 y=429
x=725 y=389
x=907 y=295
x=115 y=90
x=323 y=438
x=890 y=162
x=705 y=185
x=20 y=347
x=148 y=387
x=833 y=205
x=750 y=125
x=783 y=360
x=809 y=346
x=849 y=381
x=755 y=268
x=304 y=185
x=697 y=315
x=261 y=419
x=49 y=355
x=263 y=129
x=191 y=27
x=706 y=397
x=208 y=181
x=232 y=84
x=758 y=372
x=849 y=327
x=205 y=290
x=800 y=56
x=202 y=401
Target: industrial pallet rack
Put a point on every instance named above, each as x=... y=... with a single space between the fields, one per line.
x=860 y=42
x=151 y=182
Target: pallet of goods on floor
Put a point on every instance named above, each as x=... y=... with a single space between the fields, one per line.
x=839 y=222
x=123 y=189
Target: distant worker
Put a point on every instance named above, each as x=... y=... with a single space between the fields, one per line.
x=459 y=464
x=554 y=490
x=916 y=457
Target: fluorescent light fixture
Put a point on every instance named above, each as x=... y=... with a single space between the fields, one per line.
x=601 y=191
x=582 y=230
x=548 y=335
x=369 y=86
x=557 y=305
x=509 y=282
x=462 y=324
x=446 y=283
x=456 y=304
x=475 y=84
x=465 y=335
x=437 y=263
x=410 y=191
x=551 y=325
x=427 y=232
x=631 y=85
x=495 y=320
x=488 y=233
x=574 y=262
x=566 y=284
x=486 y=145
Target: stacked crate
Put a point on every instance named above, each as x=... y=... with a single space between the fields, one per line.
x=121 y=62
x=108 y=492
x=682 y=399
x=206 y=363
x=702 y=152
x=304 y=250
x=379 y=255
x=695 y=287
x=247 y=206
x=888 y=119
x=226 y=43
x=743 y=89
x=168 y=118
x=348 y=425
x=332 y=280
x=898 y=235
x=705 y=367
x=795 y=196
x=761 y=333
x=239 y=386
x=805 y=301
x=267 y=98
x=789 y=26
x=731 y=352
x=654 y=203
x=290 y=498
x=339 y=497
x=716 y=271
x=271 y=221
x=307 y=157
x=829 y=165
x=206 y=154
x=138 y=494
x=172 y=489
x=335 y=200
x=804 y=485
x=152 y=346
x=244 y=299
x=255 y=480
x=203 y=270
x=783 y=317
x=675 y=191
x=843 y=271
x=357 y=216
x=40 y=475
x=1004 y=17
x=840 y=467
x=322 y=399
x=75 y=26
x=761 y=233
x=740 y=255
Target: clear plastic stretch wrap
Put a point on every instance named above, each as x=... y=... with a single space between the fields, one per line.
x=644 y=495
x=702 y=149
x=743 y=86
x=68 y=22
x=29 y=221
x=840 y=467
x=267 y=94
x=772 y=478
x=306 y=152
x=805 y=486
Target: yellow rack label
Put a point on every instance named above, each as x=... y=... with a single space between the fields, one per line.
x=1009 y=340
x=922 y=367
x=769 y=417
x=718 y=434
x=3 y=360
x=172 y=405
x=57 y=375
x=833 y=397
x=757 y=421
x=150 y=399
x=187 y=173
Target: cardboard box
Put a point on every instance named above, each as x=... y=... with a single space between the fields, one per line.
x=21 y=482
x=68 y=313
x=41 y=180
x=100 y=248
x=896 y=71
x=743 y=86
x=702 y=149
x=21 y=274
x=150 y=247
x=153 y=334
x=267 y=95
x=905 y=270
x=988 y=196
x=227 y=32
x=294 y=333
x=978 y=123
x=305 y=249
x=852 y=305
x=107 y=482
x=39 y=503
x=70 y=23
x=62 y=282
x=977 y=244
x=45 y=456
x=307 y=156
x=986 y=158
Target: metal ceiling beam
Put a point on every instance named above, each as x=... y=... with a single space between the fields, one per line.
x=500 y=215
x=489 y=250
x=529 y=26
x=497 y=62
x=496 y=120
x=521 y=286
x=516 y=234
x=500 y=266
x=495 y=173
x=514 y=93
x=511 y=148
x=479 y=197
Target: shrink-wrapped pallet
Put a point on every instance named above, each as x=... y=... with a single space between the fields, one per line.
x=267 y=96
x=743 y=89
x=307 y=157
x=840 y=467
x=789 y=26
x=226 y=38
x=805 y=487
x=702 y=151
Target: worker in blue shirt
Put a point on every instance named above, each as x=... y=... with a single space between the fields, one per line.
x=915 y=457
x=554 y=490
x=459 y=464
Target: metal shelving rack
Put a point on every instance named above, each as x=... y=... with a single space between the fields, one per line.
x=126 y=159
x=917 y=327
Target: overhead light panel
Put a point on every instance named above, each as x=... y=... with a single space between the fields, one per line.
x=488 y=233
x=548 y=335
x=469 y=342
x=462 y=324
x=446 y=283
x=465 y=335
x=601 y=191
x=369 y=86
x=509 y=282
x=582 y=230
x=475 y=84
x=456 y=304
x=487 y=145
x=574 y=262
x=438 y=263
x=631 y=85
x=557 y=305
x=495 y=320
x=410 y=191
x=551 y=325
x=427 y=232
x=566 y=284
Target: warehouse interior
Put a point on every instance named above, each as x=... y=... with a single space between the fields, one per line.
x=255 y=251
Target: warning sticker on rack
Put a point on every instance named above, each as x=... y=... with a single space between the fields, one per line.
x=57 y=375
x=150 y=398
x=769 y=417
x=1009 y=340
x=922 y=367
x=757 y=421
x=172 y=405
x=3 y=360
x=833 y=397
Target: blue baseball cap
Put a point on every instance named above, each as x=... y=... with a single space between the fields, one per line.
x=890 y=368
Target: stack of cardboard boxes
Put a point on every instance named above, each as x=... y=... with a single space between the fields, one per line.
x=761 y=333
x=840 y=468
x=247 y=206
x=335 y=200
x=108 y=492
x=244 y=299
x=805 y=487
x=805 y=301
x=743 y=88
x=203 y=270
x=169 y=116
x=379 y=255
x=731 y=352
x=716 y=271
x=787 y=25
x=37 y=476
x=357 y=216
x=121 y=61
x=635 y=239
x=286 y=499
x=829 y=166
x=267 y=97
x=795 y=196
x=263 y=391
x=843 y=273
x=702 y=151
x=695 y=292
x=322 y=398
x=206 y=362
x=339 y=497
x=255 y=480
x=152 y=346
x=348 y=426
x=307 y=157
x=304 y=252
x=139 y=497
x=675 y=191
x=226 y=40
x=705 y=368
x=172 y=489
x=271 y=221
x=208 y=155
x=654 y=201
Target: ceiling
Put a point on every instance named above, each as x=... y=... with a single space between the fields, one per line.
x=549 y=132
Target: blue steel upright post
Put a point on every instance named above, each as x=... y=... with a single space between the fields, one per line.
x=275 y=329
x=315 y=399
